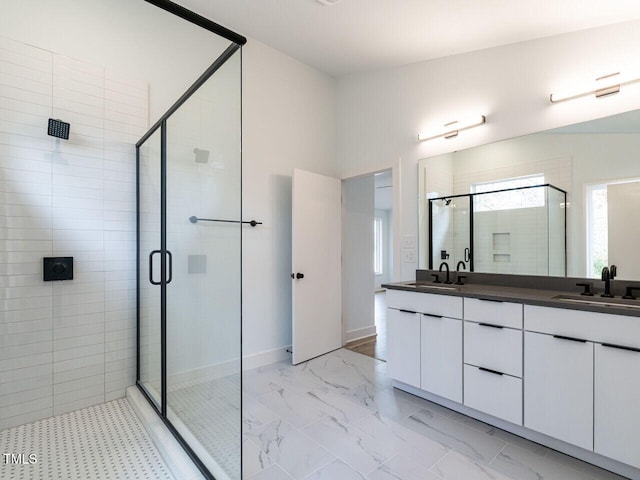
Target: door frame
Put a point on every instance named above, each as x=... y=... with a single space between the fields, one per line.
x=396 y=208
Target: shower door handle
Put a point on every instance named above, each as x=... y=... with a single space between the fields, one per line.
x=467 y=255
x=151 y=280
x=170 y=267
x=153 y=252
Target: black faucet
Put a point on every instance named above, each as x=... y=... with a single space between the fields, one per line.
x=587 y=288
x=606 y=277
x=446 y=265
x=459 y=277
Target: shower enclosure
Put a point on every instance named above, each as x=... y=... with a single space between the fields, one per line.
x=189 y=271
x=518 y=231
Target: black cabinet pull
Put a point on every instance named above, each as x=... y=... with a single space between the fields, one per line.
x=495 y=372
x=571 y=339
x=432 y=315
x=621 y=347
x=490 y=300
x=407 y=311
x=490 y=325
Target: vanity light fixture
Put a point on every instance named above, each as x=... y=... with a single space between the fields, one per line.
x=603 y=86
x=451 y=129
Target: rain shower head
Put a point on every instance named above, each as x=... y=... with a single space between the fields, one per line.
x=58 y=129
x=202 y=156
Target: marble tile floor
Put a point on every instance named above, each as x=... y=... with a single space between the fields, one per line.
x=337 y=417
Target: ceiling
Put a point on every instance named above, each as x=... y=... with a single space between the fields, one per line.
x=362 y=35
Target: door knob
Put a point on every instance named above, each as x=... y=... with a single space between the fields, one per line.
x=297 y=275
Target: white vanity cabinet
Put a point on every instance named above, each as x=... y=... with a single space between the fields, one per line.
x=493 y=358
x=424 y=348
x=403 y=346
x=617 y=400
x=558 y=387
x=558 y=376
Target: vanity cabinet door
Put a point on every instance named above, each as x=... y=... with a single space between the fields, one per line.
x=558 y=388
x=403 y=346
x=441 y=356
x=617 y=398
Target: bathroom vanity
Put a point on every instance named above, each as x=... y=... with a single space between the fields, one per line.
x=531 y=356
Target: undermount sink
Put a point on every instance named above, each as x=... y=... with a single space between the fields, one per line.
x=599 y=301
x=433 y=286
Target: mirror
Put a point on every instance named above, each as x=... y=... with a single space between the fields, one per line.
x=595 y=162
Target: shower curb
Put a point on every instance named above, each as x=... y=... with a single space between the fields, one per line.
x=171 y=451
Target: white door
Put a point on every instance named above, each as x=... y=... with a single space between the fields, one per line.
x=316 y=263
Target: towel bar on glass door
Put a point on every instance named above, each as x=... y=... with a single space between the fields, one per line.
x=194 y=219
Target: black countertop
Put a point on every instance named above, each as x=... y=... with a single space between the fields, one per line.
x=562 y=294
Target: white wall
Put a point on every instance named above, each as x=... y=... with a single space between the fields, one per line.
x=380 y=113
x=387 y=251
x=288 y=121
x=358 y=279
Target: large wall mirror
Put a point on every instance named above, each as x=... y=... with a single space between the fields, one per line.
x=595 y=162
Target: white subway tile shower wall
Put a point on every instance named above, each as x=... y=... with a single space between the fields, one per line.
x=66 y=345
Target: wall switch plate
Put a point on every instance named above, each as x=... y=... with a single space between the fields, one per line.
x=409 y=241
x=408 y=255
x=57 y=268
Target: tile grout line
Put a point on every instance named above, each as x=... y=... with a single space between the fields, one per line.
x=430 y=469
x=496 y=455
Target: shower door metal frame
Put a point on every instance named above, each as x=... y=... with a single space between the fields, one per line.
x=162 y=125
x=471 y=198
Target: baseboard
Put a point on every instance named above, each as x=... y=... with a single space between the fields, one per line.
x=360 y=333
x=249 y=362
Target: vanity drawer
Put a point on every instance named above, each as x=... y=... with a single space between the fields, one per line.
x=497 y=395
x=494 y=348
x=506 y=314
x=429 y=303
x=593 y=326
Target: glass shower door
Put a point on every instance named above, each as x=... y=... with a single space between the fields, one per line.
x=203 y=170
x=149 y=277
